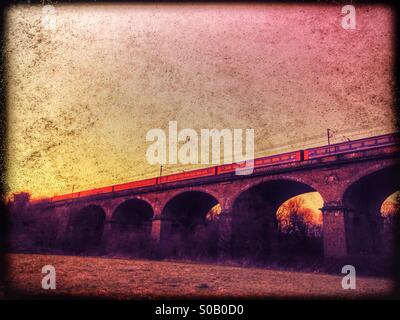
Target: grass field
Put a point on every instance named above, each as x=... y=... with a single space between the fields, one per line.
x=131 y=279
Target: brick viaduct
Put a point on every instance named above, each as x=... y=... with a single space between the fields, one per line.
x=353 y=187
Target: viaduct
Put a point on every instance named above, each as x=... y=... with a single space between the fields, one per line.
x=353 y=187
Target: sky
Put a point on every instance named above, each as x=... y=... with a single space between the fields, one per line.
x=82 y=96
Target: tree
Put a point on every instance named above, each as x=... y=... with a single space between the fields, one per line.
x=295 y=218
x=391 y=206
x=18 y=202
x=300 y=228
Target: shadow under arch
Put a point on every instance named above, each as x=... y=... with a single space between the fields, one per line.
x=255 y=232
x=133 y=214
x=186 y=231
x=85 y=229
x=364 y=198
x=131 y=227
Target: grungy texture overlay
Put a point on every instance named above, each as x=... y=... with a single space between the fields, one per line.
x=82 y=97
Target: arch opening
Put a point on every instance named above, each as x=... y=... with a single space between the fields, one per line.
x=364 y=222
x=132 y=227
x=85 y=229
x=390 y=214
x=277 y=219
x=300 y=225
x=189 y=227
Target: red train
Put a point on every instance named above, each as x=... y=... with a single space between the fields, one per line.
x=264 y=161
x=135 y=184
x=187 y=175
x=351 y=146
x=300 y=155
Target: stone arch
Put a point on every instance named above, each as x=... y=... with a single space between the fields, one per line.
x=85 y=229
x=173 y=195
x=255 y=233
x=255 y=182
x=368 y=169
x=131 y=227
x=134 y=213
x=111 y=204
x=363 y=199
x=187 y=229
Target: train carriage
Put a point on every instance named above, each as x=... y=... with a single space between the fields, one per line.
x=262 y=162
x=67 y=196
x=135 y=184
x=387 y=140
x=351 y=146
x=96 y=191
x=199 y=173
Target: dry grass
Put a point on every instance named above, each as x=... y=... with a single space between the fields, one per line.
x=127 y=279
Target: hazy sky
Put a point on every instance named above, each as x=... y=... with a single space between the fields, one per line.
x=82 y=97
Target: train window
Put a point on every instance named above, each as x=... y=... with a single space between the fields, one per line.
x=356 y=145
x=369 y=142
x=321 y=151
x=383 y=140
x=262 y=161
x=344 y=147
